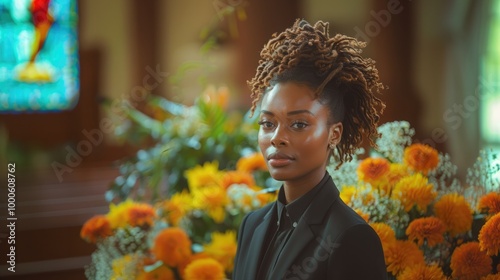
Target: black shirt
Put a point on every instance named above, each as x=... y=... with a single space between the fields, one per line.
x=283 y=223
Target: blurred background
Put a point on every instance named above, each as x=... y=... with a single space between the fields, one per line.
x=439 y=59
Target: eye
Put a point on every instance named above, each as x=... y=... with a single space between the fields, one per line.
x=266 y=124
x=300 y=125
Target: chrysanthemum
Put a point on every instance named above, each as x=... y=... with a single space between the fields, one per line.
x=160 y=273
x=202 y=176
x=401 y=254
x=489 y=236
x=237 y=177
x=431 y=229
x=490 y=203
x=95 y=228
x=373 y=170
x=177 y=206
x=397 y=171
x=212 y=199
x=455 y=212
x=140 y=214
x=421 y=158
x=223 y=249
x=172 y=246
x=468 y=262
x=204 y=269
x=414 y=190
x=251 y=163
x=422 y=272
x=385 y=233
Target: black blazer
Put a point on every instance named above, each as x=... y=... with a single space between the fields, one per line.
x=330 y=241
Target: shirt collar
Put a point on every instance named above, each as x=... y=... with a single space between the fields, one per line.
x=296 y=208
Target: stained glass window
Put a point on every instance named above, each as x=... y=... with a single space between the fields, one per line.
x=39 y=67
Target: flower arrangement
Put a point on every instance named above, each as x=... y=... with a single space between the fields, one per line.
x=191 y=235
x=431 y=226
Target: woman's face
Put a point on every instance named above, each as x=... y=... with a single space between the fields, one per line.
x=294 y=134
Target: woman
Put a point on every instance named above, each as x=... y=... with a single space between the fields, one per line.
x=317 y=99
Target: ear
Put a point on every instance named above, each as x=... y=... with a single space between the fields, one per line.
x=335 y=134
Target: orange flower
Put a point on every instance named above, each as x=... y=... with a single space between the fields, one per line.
x=237 y=177
x=95 y=228
x=160 y=273
x=489 y=236
x=491 y=277
x=468 y=262
x=490 y=203
x=363 y=215
x=431 y=229
x=204 y=269
x=385 y=233
x=422 y=272
x=414 y=190
x=141 y=214
x=251 y=163
x=172 y=246
x=421 y=158
x=216 y=96
x=402 y=254
x=455 y=212
x=373 y=170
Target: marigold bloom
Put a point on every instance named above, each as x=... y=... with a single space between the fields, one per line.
x=455 y=212
x=489 y=236
x=223 y=249
x=468 y=262
x=160 y=273
x=204 y=269
x=373 y=170
x=202 y=176
x=402 y=254
x=385 y=233
x=421 y=158
x=140 y=214
x=95 y=228
x=172 y=246
x=177 y=207
x=422 y=272
x=118 y=214
x=414 y=190
x=397 y=171
x=212 y=199
x=237 y=177
x=490 y=203
x=431 y=229
x=252 y=163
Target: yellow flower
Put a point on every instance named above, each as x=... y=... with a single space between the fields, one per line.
x=212 y=199
x=172 y=246
x=396 y=172
x=489 y=236
x=431 y=229
x=347 y=193
x=202 y=176
x=490 y=203
x=422 y=272
x=373 y=170
x=385 y=233
x=251 y=163
x=455 y=212
x=177 y=207
x=223 y=248
x=401 y=254
x=237 y=177
x=118 y=214
x=468 y=262
x=204 y=269
x=160 y=273
x=124 y=268
x=95 y=228
x=414 y=190
x=421 y=158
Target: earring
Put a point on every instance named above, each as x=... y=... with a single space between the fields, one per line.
x=332 y=146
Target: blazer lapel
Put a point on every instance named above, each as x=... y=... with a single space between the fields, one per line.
x=303 y=233
x=255 y=248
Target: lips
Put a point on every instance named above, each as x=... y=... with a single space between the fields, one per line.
x=278 y=159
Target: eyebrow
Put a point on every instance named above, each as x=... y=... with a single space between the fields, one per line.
x=296 y=112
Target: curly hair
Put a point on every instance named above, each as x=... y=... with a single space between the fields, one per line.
x=333 y=67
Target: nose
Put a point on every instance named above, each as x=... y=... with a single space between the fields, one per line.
x=279 y=137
